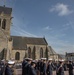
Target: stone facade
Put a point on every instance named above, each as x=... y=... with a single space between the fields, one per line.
x=70 y=56
x=33 y=51
x=19 y=47
x=5 y=22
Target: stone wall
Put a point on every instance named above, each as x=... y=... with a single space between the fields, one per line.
x=22 y=54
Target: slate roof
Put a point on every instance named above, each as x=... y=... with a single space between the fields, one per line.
x=51 y=50
x=21 y=42
x=5 y=10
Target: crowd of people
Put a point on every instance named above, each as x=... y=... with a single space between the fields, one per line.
x=46 y=67
x=6 y=67
x=38 y=67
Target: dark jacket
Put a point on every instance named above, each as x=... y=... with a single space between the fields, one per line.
x=8 y=70
x=43 y=69
x=27 y=69
x=60 y=71
x=70 y=66
x=49 y=69
x=23 y=67
x=32 y=71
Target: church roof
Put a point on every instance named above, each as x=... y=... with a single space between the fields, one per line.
x=51 y=50
x=5 y=10
x=21 y=42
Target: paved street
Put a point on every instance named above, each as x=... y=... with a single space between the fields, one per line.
x=19 y=72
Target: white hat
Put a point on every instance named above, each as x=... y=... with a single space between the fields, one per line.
x=3 y=60
x=50 y=59
x=43 y=58
x=61 y=60
x=11 y=62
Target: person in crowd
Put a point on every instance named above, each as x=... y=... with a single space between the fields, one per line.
x=2 y=67
x=43 y=67
x=23 y=65
x=32 y=70
x=38 y=66
x=70 y=66
x=8 y=68
x=65 y=66
x=60 y=70
x=49 y=67
x=27 y=66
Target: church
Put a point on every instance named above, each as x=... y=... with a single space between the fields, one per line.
x=19 y=47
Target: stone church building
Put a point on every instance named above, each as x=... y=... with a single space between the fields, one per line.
x=18 y=47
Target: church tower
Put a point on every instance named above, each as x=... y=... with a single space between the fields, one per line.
x=5 y=23
x=5 y=20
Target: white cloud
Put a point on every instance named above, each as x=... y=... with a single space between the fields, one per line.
x=47 y=28
x=61 y=9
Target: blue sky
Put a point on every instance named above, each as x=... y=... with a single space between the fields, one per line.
x=52 y=19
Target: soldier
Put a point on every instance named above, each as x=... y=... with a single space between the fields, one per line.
x=38 y=66
x=61 y=69
x=43 y=67
x=70 y=66
x=8 y=69
x=27 y=66
x=49 y=67
x=32 y=70
x=23 y=65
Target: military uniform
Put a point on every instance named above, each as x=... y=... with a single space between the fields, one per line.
x=23 y=65
x=49 y=69
x=60 y=69
x=8 y=71
x=32 y=71
x=27 y=67
x=70 y=66
x=43 y=69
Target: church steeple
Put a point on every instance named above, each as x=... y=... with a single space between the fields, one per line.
x=5 y=19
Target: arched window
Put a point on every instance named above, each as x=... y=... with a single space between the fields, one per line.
x=34 y=53
x=0 y=22
x=29 y=52
x=17 y=56
x=4 y=24
x=41 y=53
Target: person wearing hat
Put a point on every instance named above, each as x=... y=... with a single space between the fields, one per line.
x=23 y=65
x=70 y=66
x=60 y=70
x=38 y=66
x=27 y=66
x=43 y=67
x=49 y=67
x=8 y=69
x=32 y=70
